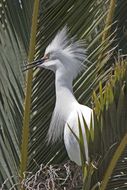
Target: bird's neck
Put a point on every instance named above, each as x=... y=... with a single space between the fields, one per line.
x=65 y=104
x=65 y=99
x=64 y=89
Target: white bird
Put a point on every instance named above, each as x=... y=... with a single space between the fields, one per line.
x=65 y=58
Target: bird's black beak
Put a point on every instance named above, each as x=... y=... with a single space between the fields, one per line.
x=33 y=64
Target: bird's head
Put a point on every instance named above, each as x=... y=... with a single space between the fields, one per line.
x=63 y=54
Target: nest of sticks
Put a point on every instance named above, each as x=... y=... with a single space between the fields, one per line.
x=66 y=176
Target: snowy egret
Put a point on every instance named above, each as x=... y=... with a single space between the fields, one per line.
x=65 y=57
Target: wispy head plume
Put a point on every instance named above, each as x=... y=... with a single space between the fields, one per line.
x=72 y=54
x=72 y=50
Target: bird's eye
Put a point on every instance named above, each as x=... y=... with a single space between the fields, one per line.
x=47 y=56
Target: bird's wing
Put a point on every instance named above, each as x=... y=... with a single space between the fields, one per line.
x=70 y=140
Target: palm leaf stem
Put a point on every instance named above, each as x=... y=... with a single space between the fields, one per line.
x=113 y=162
x=108 y=24
x=109 y=19
x=28 y=90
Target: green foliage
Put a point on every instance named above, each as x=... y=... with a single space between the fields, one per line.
x=111 y=117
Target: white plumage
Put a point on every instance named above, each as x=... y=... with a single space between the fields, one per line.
x=65 y=58
x=70 y=141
